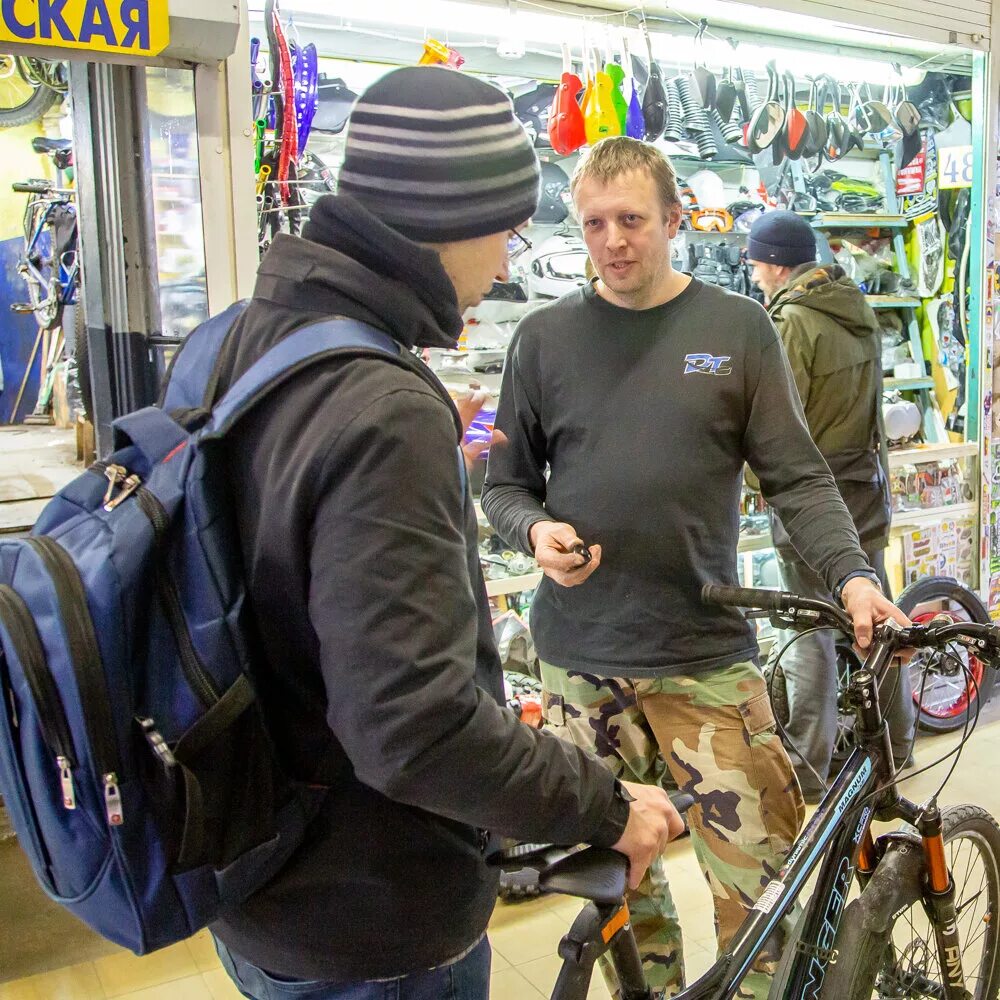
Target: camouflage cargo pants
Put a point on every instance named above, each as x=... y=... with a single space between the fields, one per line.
x=715 y=732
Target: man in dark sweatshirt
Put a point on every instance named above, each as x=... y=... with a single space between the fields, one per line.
x=380 y=677
x=630 y=407
x=832 y=341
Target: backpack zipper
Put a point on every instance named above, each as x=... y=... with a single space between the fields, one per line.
x=51 y=715
x=86 y=658
x=197 y=678
x=194 y=672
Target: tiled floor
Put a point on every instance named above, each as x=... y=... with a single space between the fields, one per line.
x=524 y=935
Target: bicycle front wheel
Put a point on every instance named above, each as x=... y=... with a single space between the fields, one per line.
x=902 y=960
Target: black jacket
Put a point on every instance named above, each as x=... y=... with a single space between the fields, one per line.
x=375 y=628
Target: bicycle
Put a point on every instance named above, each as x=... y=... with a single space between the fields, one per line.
x=836 y=950
x=50 y=267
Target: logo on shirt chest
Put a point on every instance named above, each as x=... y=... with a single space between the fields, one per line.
x=707 y=365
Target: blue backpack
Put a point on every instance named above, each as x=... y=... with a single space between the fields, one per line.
x=134 y=759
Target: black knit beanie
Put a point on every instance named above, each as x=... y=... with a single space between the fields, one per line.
x=782 y=238
x=439 y=156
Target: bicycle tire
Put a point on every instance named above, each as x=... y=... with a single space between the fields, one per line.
x=935 y=713
x=864 y=969
x=42 y=99
x=778 y=688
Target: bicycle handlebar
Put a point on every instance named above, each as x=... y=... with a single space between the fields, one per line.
x=32 y=187
x=807 y=612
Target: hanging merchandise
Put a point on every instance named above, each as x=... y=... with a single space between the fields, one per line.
x=635 y=125
x=552 y=208
x=875 y=119
x=854 y=137
x=695 y=118
x=599 y=116
x=674 y=130
x=796 y=133
x=567 y=132
x=837 y=128
x=926 y=200
x=533 y=109
x=815 y=138
x=769 y=119
x=438 y=54
x=704 y=78
x=617 y=76
x=725 y=94
x=335 y=100
x=907 y=118
x=654 y=97
x=928 y=241
x=910 y=179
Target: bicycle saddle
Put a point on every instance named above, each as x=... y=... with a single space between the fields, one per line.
x=596 y=873
x=41 y=144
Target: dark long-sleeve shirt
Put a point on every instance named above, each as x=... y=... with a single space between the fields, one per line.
x=644 y=419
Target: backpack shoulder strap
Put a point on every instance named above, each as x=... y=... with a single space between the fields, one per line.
x=194 y=362
x=300 y=349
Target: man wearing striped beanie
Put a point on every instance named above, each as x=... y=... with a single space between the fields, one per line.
x=377 y=666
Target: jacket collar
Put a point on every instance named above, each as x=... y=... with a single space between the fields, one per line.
x=346 y=256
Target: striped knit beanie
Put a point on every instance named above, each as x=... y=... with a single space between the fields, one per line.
x=439 y=156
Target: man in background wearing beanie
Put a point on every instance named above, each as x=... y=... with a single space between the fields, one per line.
x=832 y=340
x=630 y=407
x=378 y=671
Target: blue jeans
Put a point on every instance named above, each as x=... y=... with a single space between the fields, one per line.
x=466 y=979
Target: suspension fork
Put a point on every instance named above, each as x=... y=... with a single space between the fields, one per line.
x=939 y=898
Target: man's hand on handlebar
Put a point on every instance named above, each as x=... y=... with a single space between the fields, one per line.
x=868 y=606
x=652 y=823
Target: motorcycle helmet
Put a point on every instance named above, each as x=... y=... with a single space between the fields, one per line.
x=552 y=208
x=559 y=266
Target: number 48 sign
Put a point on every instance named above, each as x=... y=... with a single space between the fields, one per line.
x=955 y=167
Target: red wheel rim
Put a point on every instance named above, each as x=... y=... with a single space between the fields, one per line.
x=950 y=708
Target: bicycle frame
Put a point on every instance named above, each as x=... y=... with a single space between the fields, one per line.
x=838 y=836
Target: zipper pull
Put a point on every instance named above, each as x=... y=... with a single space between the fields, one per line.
x=113 y=800
x=66 y=781
x=129 y=486
x=157 y=743
x=113 y=474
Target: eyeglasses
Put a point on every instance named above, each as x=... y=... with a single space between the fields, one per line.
x=516 y=244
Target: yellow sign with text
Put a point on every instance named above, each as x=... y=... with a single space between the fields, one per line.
x=127 y=27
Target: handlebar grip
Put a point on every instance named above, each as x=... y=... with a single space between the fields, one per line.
x=742 y=597
x=32 y=187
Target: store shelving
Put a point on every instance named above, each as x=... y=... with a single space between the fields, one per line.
x=892 y=302
x=919 y=518
x=874 y=220
x=931 y=453
x=513 y=584
x=908 y=384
